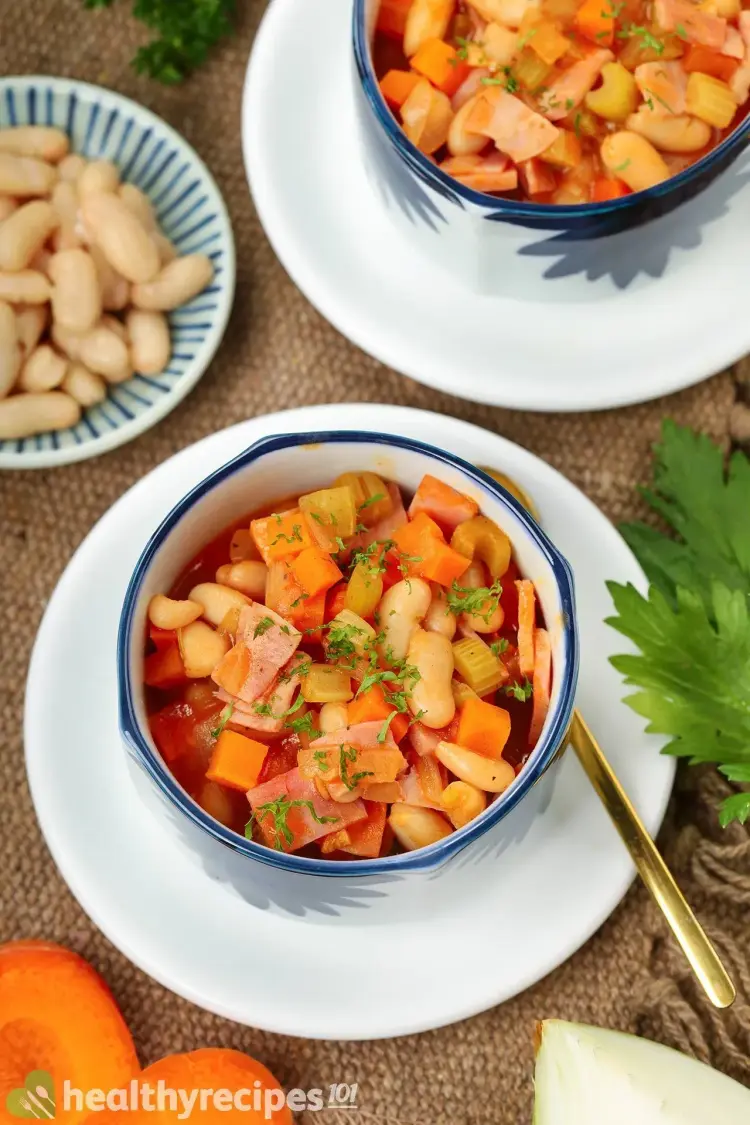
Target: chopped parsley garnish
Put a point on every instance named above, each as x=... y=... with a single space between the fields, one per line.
x=681 y=31
x=648 y=39
x=301 y=598
x=621 y=167
x=498 y=646
x=224 y=718
x=509 y=82
x=316 y=516
x=320 y=757
x=340 y=544
x=660 y=100
x=285 y=629
x=263 y=626
x=303 y=724
x=463 y=47
x=526 y=39
x=340 y=645
x=295 y=537
x=372 y=500
x=278 y=811
x=348 y=754
x=383 y=732
x=264 y=709
x=569 y=103
x=373 y=678
x=577 y=125
x=482 y=601
x=521 y=692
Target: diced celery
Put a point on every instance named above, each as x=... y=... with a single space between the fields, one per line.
x=348 y=634
x=331 y=515
x=462 y=692
x=478 y=665
x=364 y=591
x=324 y=684
x=371 y=497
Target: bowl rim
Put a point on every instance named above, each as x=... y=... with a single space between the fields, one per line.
x=423 y=858
x=130 y=429
x=496 y=208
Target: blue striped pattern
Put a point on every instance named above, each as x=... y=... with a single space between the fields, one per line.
x=190 y=212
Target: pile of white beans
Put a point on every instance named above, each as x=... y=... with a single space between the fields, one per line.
x=86 y=277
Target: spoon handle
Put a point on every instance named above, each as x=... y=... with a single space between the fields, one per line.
x=652 y=869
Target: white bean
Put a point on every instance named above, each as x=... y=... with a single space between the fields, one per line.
x=41 y=141
x=71 y=167
x=167 y=613
x=489 y=617
x=150 y=341
x=167 y=250
x=27 y=287
x=10 y=351
x=71 y=343
x=247 y=576
x=31 y=321
x=140 y=205
x=333 y=716
x=76 y=296
x=415 y=827
x=103 y=351
x=201 y=648
x=115 y=289
x=7 y=207
x=40 y=262
x=27 y=414
x=125 y=243
x=43 y=370
x=439 y=618
x=115 y=325
x=65 y=203
x=400 y=610
x=670 y=134
x=462 y=802
x=217 y=600
x=97 y=177
x=25 y=232
x=634 y=159
x=24 y=176
x=85 y=386
x=177 y=283
x=492 y=775
x=431 y=696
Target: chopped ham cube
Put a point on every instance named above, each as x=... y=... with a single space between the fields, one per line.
x=469 y=87
x=569 y=90
x=277 y=700
x=698 y=26
x=380 y=761
x=536 y=177
x=517 y=131
x=414 y=794
x=265 y=643
x=663 y=86
x=302 y=821
x=734 y=44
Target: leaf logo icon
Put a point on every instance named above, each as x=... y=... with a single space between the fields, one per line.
x=36 y=1098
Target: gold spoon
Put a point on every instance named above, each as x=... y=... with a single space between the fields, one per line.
x=703 y=958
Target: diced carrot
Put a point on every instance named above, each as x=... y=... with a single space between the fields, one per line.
x=443 y=565
x=281 y=536
x=309 y=615
x=396 y=86
x=164 y=668
x=162 y=638
x=445 y=505
x=315 y=571
x=595 y=20
x=236 y=761
x=543 y=36
x=526 y=626
x=392 y=17
x=335 y=601
x=536 y=178
x=605 y=189
x=483 y=727
x=372 y=706
x=541 y=683
x=412 y=537
x=421 y=551
x=366 y=836
x=705 y=60
x=439 y=62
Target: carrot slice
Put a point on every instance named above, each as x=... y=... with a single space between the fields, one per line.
x=443 y=565
x=423 y=552
x=335 y=601
x=372 y=706
x=315 y=571
x=595 y=20
x=363 y=839
x=526 y=626
x=445 y=505
x=219 y=1069
x=605 y=189
x=541 y=682
x=236 y=761
x=281 y=536
x=164 y=668
x=439 y=62
x=396 y=86
x=705 y=60
x=57 y=1015
x=483 y=727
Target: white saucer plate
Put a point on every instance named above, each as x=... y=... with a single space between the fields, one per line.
x=580 y=325
x=243 y=953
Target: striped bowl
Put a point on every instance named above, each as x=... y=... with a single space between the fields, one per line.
x=191 y=212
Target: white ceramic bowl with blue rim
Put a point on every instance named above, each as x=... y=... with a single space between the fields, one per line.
x=473 y=235
x=290 y=464
x=191 y=212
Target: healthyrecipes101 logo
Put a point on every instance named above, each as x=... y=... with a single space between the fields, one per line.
x=36 y=1099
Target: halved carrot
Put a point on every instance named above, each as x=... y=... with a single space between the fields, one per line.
x=414 y=537
x=164 y=668
x=483 y=727
x=442 y=564
x=396 y=86
x=706 y=60
x=57 y=1015
x=439 y=63
x=541 y=682
x=236 y=761
x=443 y=503
x=219 y=1069
x=421 y=552
x=605 y=189
x=280 y=536
x=595 y=20
x=372 y=706
x=526 y=626
x=392 y=17
x=315 y=571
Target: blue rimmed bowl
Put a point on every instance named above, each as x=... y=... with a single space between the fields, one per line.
x=191 y=212
x=290 y=464
x=472 y=234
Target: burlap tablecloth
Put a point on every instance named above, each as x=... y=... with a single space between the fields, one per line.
x=279 y=353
